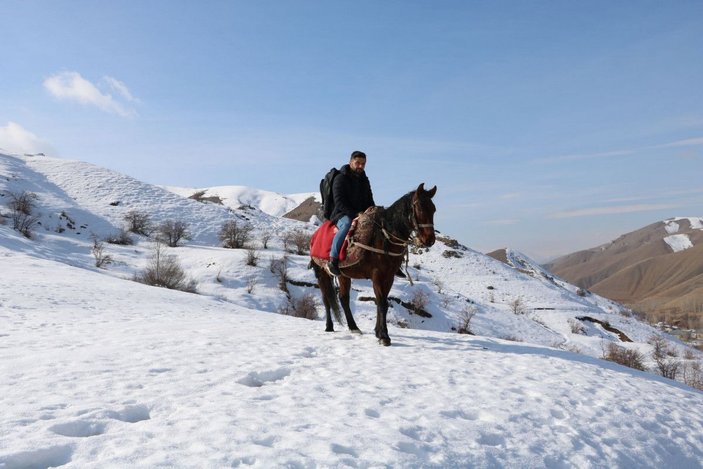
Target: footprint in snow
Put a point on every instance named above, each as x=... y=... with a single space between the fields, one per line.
x=79 y=429
x=54 y=456
x=256 y=379
x=130 y=414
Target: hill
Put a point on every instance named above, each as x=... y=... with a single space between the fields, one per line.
x=657 y=269
x=104 y=371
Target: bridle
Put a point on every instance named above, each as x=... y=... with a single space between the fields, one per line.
x=396 y=240
x=413 y=218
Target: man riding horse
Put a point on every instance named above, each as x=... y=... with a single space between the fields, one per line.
x=352 y=195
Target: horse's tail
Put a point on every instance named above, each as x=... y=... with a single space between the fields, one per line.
x=329 y=292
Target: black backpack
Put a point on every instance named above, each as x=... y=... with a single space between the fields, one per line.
x=326 y=193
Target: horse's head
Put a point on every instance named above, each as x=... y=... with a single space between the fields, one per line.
x=423 y=214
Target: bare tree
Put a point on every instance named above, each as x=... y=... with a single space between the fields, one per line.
x=465 y=317
x=98 y=251
x=22 y=212
x=296 y=241
x=172 y=232
x=665 y=357
x=265 y=238
x=300 y=240
x=235 y=234
x=517 y=306
x=138 y=222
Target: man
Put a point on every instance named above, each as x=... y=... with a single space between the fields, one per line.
x=352 y=195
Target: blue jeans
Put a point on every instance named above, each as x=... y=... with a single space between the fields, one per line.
x=343 y=225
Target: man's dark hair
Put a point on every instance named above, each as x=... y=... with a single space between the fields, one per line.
x=358 y=154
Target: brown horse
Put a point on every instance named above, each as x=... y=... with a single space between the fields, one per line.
x=383 y=256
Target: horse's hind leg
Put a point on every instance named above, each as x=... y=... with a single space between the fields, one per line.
x=344 y=289
x=328 y=296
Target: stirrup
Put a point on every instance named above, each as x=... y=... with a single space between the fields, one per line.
x=330 y=266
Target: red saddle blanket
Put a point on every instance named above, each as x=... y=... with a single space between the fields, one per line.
x=321 y=242
x=360 y=232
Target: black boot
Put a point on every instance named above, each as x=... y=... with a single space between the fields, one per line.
x=333 y=267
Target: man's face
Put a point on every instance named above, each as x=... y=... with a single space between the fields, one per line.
x=357 y=165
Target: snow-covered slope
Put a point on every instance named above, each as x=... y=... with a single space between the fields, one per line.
x=103 y=371
x=235 y=197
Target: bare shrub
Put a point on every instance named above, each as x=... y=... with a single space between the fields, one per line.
x=122 y=238
x=279 y=267
x=252 y=257
x=172 y=232
x=465 y=317
x=235 y=234
x=664 y=357
x=165 y=271
x=419 y=300
x=303 y=307
x=517 y=306
x=251 y=284
x=577 y=326
x=445 y=301
x=692 y=371
x=265 y=238
x=101 y=258
x=296 y=241
x=138 y=222
x=624 y=356
x=22 y=206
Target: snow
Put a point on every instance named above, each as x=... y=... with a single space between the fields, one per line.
x=671 y=227
x=678 y=242
x=101 y=371
x=234 y=197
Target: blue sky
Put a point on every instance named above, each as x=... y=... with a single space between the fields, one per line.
x=548 y=127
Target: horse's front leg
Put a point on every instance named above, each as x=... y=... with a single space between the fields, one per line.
x=344 y=289
x=381 y=321
x=381 y=290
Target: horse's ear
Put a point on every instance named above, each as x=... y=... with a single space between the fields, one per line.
x=432 y=191
x=420 y=188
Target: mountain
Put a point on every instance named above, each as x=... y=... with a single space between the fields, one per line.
x=103 y=371
x=657 y=269
x=236 y=197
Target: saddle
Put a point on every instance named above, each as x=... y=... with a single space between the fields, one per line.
x=361 y=232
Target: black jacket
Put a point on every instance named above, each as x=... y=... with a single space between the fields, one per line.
x=352 y=194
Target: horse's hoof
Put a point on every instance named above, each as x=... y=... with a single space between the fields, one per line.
x=385 y=342
x=329 y=329
x=355 y=331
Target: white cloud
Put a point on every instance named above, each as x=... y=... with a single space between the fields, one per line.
x=120 y=88
x=73 y=87
x=683 y=143
x=16 y=139
x=587 y=212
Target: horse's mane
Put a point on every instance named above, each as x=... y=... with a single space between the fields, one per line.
x=396 y=217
